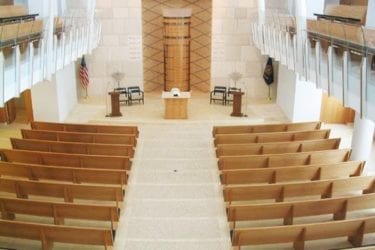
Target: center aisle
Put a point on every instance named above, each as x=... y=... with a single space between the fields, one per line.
x=174 y=198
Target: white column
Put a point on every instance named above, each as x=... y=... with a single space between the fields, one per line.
x=363 y=136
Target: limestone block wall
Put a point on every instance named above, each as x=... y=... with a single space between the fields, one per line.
x=120 y=47
x=233 y=48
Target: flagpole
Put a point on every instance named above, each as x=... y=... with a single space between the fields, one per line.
x=269 y=93
x=86 y=93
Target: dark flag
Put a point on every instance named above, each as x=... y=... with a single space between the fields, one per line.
x=268 y=72
x=84 y=74
x=268 y=76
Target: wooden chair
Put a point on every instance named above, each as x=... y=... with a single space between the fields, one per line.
x=79 y=137
x=271 y=137
x=219 y=93
x=85 y=128
x=295 y=173
x=279 y=192
x=73 y=147
x=124 y=97
x=64 y=174
x=241 y=129
x=288 y=211
x=68 y=192
x=354 y=229
x=48 y=234
x=68 y=160
x=282 y=160
x=277 y=147
x=59 y=211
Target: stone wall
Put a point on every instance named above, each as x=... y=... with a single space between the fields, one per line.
x=120 y=47
x=233 y=48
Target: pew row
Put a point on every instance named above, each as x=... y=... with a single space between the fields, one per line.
x=48 y=234
x=338 y=207
x=279 y=192
x=355 y=229
x=290 y=174
x=281 y=160
x=277 y=147
x=79 y=137
x=67 y=174
x=242 y=129
x=271 y=137
x=73 y=147
x=90 y=128
x=69 y=192
x=59 y=211
x=68 y=160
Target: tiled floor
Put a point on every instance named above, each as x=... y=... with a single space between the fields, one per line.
x=174 y=198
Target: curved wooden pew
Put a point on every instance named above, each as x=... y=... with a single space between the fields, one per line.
x=59 y=211
x=64 y=136
x=297 y=234
x=241 y=129
x=295 y=173
x=69 y=160
x=271 y=137
x=48 y=234
x=338 y=207
x=277 y=147
x=90 y=128
x=280 y=160
x=73 y=147
x=278 y=192
x=67 y=174
x=69 y=192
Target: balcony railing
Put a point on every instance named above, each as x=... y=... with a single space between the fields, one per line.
x=28 y=57
x=338 y=57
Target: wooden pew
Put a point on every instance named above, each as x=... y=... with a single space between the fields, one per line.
x=281 y=160
x=355 y=229
x=59 y=211
x=73 y=147
x=90 y=128
x=262 y=128
x=48 y=234
x=338 y=207
x=69 y=192
x=271 y=137
x=79 y=137
x=277 y=147
x=295 y=173
x=67 y=174
x=279 y=192
x=68 y=160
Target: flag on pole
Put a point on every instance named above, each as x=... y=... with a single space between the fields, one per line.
x=84 y=74
x=268 y=75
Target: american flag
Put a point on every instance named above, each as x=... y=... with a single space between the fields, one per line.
x=84 y=74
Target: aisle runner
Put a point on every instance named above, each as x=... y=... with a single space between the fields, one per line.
x=174 y=198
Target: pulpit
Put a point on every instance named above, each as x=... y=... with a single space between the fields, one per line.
x=115 y=104
x=237 y=103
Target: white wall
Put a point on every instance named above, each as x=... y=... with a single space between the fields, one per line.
x=286 y=91
x=53 y=100
x=370 y=19
x=299 y=100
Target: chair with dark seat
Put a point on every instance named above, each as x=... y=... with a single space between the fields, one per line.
x=123 y=94
x=135 y=94
x=229 y=97
x=218 y=94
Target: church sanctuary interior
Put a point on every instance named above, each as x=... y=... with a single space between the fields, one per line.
x=187 y=124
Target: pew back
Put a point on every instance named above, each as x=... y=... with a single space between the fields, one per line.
x=126 y=139
x=271 y=137
x=276 y=147
x=73 y=147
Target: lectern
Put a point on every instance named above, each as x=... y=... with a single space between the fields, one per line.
x=237 y=103
x=115 y=104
